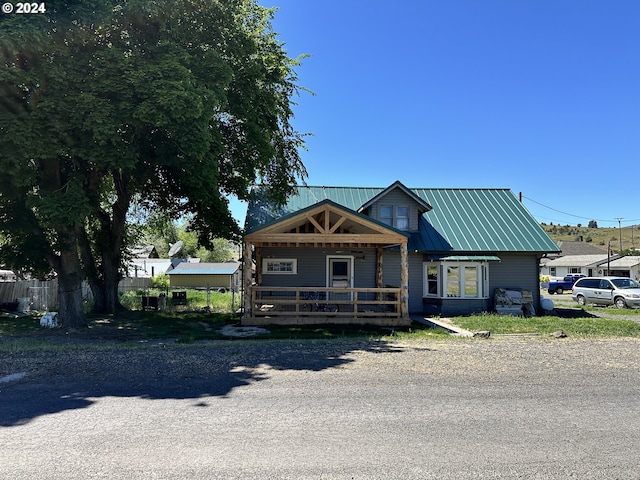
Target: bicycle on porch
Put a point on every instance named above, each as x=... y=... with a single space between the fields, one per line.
x=315 y=302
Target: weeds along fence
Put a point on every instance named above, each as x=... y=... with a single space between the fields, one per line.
x=43 y=295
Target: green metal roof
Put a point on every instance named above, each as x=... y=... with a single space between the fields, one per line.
x=467 y=258
x=462 y=220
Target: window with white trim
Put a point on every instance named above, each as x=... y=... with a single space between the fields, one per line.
x=395 y=216
x=281 y=266
x=456 y=279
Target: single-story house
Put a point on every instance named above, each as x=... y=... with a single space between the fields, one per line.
x=218 y=276
x=379 y=255
x=570 y=248
x=628 y=266
x=589 y=265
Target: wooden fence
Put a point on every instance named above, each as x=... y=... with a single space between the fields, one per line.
x=43 y=295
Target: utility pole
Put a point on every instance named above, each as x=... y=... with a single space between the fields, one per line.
x=620 y=232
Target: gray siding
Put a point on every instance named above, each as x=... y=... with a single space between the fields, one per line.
x=312 y=267
x=516 y=271
x=392 y=276
x=397 y=197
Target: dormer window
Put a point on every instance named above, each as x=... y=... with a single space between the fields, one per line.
x=386 y=215
x=395 y=216
x=402 y=218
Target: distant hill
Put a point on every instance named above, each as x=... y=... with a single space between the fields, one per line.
x=599 y=237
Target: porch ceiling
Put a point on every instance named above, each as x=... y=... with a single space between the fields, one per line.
x=325 y=225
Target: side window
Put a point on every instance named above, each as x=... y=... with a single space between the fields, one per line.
x=432 y=279
x=605 y=284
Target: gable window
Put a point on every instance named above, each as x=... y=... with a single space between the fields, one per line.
x=402 y=218
x=283 y=266
x=395 y=216
x=386 y=215
x=456 y=279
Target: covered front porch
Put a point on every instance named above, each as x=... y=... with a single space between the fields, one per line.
x=302 y=305
x=317 y=277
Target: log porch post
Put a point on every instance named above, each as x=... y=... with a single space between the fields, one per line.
x=404 y=281
x=379 y=271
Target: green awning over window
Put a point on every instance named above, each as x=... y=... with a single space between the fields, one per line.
x=469 y=258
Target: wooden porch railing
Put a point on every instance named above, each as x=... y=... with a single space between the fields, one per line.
x=325 y=302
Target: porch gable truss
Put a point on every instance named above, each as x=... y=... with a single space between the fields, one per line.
x=326 y=224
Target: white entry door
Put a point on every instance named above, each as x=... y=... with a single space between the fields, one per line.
x=340 y=272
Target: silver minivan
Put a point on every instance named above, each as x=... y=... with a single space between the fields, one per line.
x=619 y=291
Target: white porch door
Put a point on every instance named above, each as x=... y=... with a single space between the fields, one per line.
x=340 y=272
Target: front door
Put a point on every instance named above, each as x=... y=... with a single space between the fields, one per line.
x=340 y=275
x=340 y=272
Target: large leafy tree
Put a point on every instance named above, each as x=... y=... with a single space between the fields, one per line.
x=171 y=105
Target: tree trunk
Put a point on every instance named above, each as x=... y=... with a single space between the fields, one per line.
x=70 y=276
x=105 y=277
x=111 y=281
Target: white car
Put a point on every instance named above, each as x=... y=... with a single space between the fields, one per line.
x=619 y=291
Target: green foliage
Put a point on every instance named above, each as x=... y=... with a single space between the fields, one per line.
x=545 y=325
x=169 y=105
x=160 y=282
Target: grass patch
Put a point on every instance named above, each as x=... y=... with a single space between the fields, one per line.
x=586 y=325
x=138 y=325
x=612 y=310
x=350 y=331
x=196 y=299
x=19 y=326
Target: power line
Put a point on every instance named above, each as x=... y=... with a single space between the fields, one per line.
x=578 y=216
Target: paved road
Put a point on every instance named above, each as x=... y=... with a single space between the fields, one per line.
x=465 y=409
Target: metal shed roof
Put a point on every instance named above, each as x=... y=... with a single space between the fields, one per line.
x=186 y=268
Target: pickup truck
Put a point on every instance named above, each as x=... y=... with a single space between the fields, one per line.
x=566 y=283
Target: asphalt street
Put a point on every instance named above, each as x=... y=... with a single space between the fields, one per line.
x=501 y=408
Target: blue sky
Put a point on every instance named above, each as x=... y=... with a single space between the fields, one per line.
x=538 y=96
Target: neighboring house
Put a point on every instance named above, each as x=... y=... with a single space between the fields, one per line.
x=589 y=265
x=621 y=267
x=217 y=276
x=148 y=267
x=377 y=255
x=569 y=248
